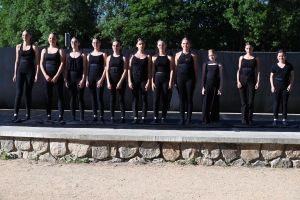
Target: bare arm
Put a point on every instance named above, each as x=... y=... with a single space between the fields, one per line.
x=258 y=73
x=119 y=85
x=195 y=57
x=107 y=72
x=17 y=62
x=37 y=60
x=239 y=85
x=129 y=73
x=149 y=68
x=203 y=78
x=66 y=72
x=153 y=72
x=221 y=78
x=273 y=89
x=171 y=59
x=176 y=68
x=84 y=73
x=100 y=82
x=87 y=84
x=289 y=88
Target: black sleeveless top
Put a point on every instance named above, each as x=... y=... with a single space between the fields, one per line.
x=139 y=69
x=186 y=66
x=248 y=67
x=75 y=64
x=26 y=59
x=212 y=72
x=162 y=64
x=52 y=60
x=96 y=63
x=116 y=64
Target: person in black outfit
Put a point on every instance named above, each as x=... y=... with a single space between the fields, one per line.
x=281 y=79
x=95 y=78
x=139 y=77
x=185 y=78
x=212 y=81
x=116 y=72
x=25 y=72
x=52 y=66
x=246 y=82
x=75 y=75
x=162 y=77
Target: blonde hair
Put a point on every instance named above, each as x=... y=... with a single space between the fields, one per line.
x=212 y=51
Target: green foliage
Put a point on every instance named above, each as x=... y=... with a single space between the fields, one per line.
x=192 y=161
x=75 y=160
x=5 y=156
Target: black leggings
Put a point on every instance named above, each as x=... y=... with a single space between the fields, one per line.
x=210 y=104
x=162 y=83
x=75 y=92
x=281 y=95
x=114 y=79
x=58 y=86
x=186 y=87
x=247 y=92
x=27 y=79
x=139 y=87
x=96 y=93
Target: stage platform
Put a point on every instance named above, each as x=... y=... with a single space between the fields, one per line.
x=228 y=134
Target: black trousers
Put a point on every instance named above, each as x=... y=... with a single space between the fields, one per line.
x=186 y=87
x=281 y=95
x=75 y=92
x=27 y=79
x=114 y=79
x=247 y=93
x=162 y=83
x=96 y=93
x=210 y=104
x=139 y=90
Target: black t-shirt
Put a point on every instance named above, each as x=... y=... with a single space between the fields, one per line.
x=282 y=74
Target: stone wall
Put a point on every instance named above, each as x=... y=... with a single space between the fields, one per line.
x=253 y=155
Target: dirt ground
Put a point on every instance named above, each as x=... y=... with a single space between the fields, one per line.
x=23 y=179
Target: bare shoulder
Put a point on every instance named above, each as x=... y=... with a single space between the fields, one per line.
x=170 y=57
x=154 y=57
x=220 y=64
x=18 y=46
x=177 y=54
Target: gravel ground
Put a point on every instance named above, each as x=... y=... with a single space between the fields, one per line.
x=23 y=179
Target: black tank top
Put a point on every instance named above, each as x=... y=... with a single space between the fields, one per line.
x=96 y=63
x=26 y=59
x=139 y=68
x=212 y=72
x=75 y=64
x=186 y=66
x=116 y=64
x=52 y=60
x=162 y=64
x=248 y=67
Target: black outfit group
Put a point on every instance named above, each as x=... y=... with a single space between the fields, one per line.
x=185 y=85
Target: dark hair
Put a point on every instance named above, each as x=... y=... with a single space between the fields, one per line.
x=163 y=40
x=96 y=38
x=118 y=41
x=27 y=31
x=139 y=39
x=188 y=39
x=53 y=33
x=75 y=37
x=281 y=51
x=249 y=43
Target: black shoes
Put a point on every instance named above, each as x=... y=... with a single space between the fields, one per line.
x=143 y=121
x=154 y=121
x=122 y=121
x=135 y=121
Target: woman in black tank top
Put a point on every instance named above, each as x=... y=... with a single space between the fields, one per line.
x=75 y=75
x=96 y=62
x=162 y=80
x=139 y=77
x=185 y=78
x=246 y=82
x=212 y=81
x=52 y=66
x=25 y=73
x=116 y=72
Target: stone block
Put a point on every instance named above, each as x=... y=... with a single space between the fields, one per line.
x=189 y=150
x=260 y=163
x=58 y=148
x=238 y=163
x=158 y=160
x=271 y=151
x=137 y=160
x=296 y=163
x=293 y=151
x=30 y=155
x=40 y=145
x=16 y=154
x=281 y=163
x=149 y=150
x=79 y=148
x=47 y=157
x=170 y=151
x=128 y=149
x=250 y=152
x=7 y=144
x=210 y=150
x=229 y=152
x=220 y=162
x=113 y=149
x=204 y=161
x=100 y=150
x=22 y=144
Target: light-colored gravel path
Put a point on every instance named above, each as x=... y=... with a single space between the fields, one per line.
x=22 y=179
